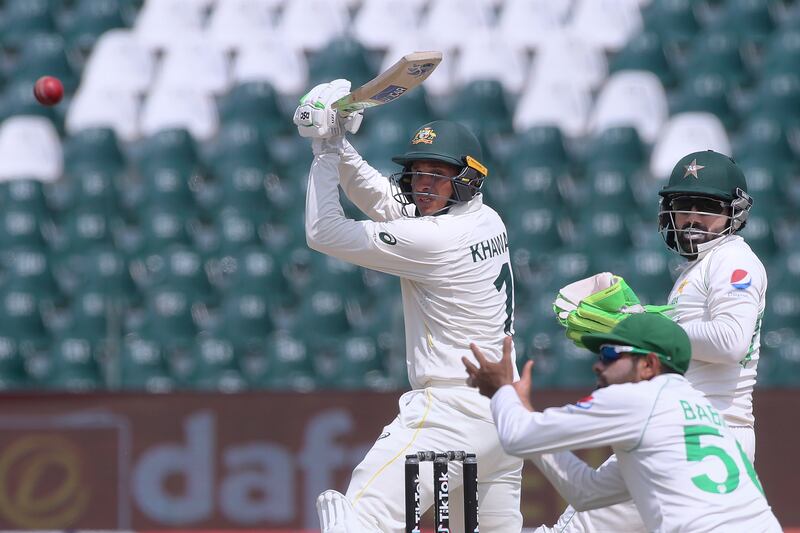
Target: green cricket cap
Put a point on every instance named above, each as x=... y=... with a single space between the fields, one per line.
x=442 y=140
x=648 y=331
x=706 y=173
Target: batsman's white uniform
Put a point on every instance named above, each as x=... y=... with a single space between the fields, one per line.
x=674 y=455
x=457 y=288
x=719 y=300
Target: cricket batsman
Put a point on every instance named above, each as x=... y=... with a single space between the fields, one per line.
x=430 y=227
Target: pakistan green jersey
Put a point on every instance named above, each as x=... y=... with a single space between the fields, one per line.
x=674 y=455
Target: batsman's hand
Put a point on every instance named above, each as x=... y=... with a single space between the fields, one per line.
x=316 y=118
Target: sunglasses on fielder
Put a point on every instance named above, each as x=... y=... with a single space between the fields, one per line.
x=611 y=352
x=702 y=204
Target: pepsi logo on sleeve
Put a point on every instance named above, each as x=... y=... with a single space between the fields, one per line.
x=585 y=403
x=741 y=279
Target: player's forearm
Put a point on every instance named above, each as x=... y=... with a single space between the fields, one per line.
x=366 y=187
x=724 y=339
x=582 y=486
x=521 y=432
x=327 y=229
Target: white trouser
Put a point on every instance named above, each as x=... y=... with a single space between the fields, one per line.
x=624 y=517
x=438 y=419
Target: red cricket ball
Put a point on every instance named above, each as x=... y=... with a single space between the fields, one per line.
x=48 y=90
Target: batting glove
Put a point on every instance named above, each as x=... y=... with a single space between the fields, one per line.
x=316 y=118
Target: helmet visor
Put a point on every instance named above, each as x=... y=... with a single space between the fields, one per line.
x=701 y=204
x=690 y=221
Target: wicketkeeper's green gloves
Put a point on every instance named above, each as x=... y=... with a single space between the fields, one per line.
x=609 y=301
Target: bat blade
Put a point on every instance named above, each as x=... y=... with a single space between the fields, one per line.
x=407 y=73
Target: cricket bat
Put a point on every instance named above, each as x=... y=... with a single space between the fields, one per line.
x=407 y=73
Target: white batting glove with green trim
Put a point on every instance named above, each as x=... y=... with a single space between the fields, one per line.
x=316 y=118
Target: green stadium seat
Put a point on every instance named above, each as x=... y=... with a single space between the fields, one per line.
x=255 y=102
x=87 y=189
x=536 y=165
x=705 y=92
x=178 y=266
x=675 y=21
x=330 y=273
x=216 y=367
x=20 y=315
x=749 y=19
x=760 y=232
x=764 y=140
x=174 y=147
x=83 y=229
x=12 y=365
x=21 y=227
x=566 y=266
x=603 y=230
x=327 y=310
x=386 y=137
x=44 y=54
x=95 y=148
x=168 y=185
x=342 y=58
x=18 y=99
x=534 y=228
x=26 y=219
x=170 y=317
x=298 y=268
x=289 y=364
x=24 y=193
x=92 y=315
x=610 y=184
x=644 y=51
x=235 y=229
x=162 y=226
x=23 y=18
x=75 y=365
x=573 y=366
x=243 y=186
x=782 y=53
x=765 y=178
x=142 y=366
x=481 y=106
x=783 y=302
x=778 y=98
x=780 y=366
x=90 y=19
x=715 y=53
x=245 y=319
x=648 y=273
x=29 y=270
x=100 y=269
x=619 y=146
x=239 y=143
x=355 y=363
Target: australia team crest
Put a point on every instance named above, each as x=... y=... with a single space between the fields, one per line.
x=425 y=136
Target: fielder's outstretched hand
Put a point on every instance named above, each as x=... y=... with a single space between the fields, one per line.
x=523 y=386
x=488 y=377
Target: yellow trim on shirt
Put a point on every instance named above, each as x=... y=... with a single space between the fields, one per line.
x=402 y=451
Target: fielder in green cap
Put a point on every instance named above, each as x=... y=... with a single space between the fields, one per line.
x=718 y=299
x=659 y=426
x=428 y=225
